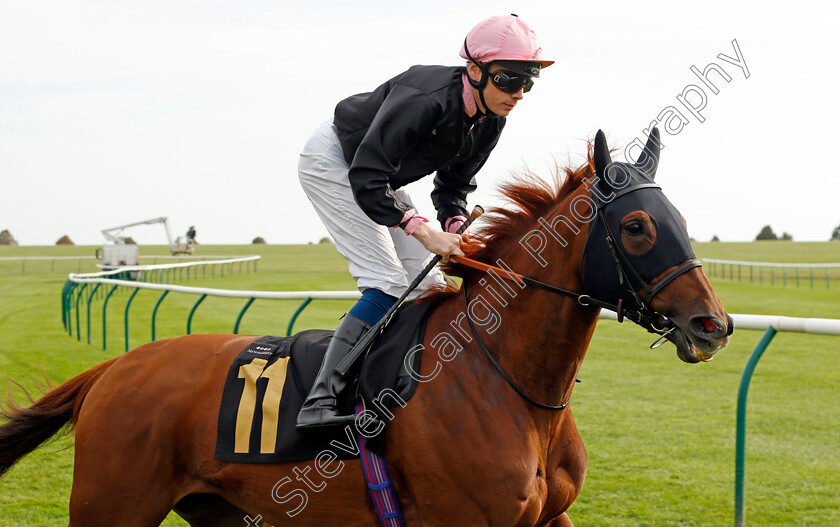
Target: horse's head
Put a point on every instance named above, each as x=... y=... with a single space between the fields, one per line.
x=638 y=253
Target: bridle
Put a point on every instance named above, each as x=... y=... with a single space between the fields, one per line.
x=642 y=313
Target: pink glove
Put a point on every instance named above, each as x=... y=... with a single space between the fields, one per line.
x=454 y=223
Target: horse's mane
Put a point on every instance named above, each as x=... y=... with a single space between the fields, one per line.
x=528 y=197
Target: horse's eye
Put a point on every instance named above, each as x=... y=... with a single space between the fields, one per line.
x=633 y=228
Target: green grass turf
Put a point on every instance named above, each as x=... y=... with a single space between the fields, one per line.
x=659 y=433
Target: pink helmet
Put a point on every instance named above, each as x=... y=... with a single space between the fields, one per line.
x=507 y=38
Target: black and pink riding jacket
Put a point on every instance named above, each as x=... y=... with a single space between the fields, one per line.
x=412 y=125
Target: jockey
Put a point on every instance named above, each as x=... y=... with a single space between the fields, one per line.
x=428 y=119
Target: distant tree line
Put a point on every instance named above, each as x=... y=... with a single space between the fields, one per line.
x=768 y=234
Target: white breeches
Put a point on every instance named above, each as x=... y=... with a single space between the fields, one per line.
x=379 y=257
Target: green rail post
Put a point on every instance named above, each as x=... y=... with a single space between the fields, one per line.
x=69 y=304
x=797 y=276
x=65 y=314
x=192 y=312
x=128 y=305
x=66 y=303
x=760 y=275
x=90 y=298
x=741 y=424
x=78 y=298
x=295 y=316
x=105 y=317
x=812 y=277
x=155 y=310
x=784 y=276
x=241 y=314
x=826 y=277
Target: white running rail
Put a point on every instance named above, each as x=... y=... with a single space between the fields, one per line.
x=772 y=264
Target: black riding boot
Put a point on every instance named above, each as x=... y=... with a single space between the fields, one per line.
x=320 y=408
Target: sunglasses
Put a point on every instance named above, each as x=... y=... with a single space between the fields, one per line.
x=510 y=82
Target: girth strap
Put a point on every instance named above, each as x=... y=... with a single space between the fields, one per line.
x=379 y=483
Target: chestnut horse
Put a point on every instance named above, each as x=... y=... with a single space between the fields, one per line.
x=486 y=441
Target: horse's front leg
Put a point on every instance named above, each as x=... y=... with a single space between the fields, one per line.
x=560 y=521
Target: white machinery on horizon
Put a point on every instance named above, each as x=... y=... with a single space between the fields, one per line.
x=121 y=253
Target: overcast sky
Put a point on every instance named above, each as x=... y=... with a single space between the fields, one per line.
x=113 y=112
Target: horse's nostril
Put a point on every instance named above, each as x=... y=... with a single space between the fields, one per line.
x=708 y=325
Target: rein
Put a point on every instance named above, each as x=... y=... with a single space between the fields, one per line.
x=642 y=313
x=645 y=317
x=499 y=367
x=649 y=319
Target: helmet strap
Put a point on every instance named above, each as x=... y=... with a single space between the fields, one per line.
x=480 y=84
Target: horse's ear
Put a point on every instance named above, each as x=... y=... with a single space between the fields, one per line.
x=601 y=154
x=649 y=158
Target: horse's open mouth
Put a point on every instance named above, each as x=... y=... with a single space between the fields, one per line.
x=686 y=350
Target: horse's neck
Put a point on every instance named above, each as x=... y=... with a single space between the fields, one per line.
x=539 y=337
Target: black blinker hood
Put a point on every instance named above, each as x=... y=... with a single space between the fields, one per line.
x=622 y=188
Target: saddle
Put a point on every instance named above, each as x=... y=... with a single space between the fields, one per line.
x=269 y=380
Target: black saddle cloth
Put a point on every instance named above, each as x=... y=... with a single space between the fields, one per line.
x=269 y=380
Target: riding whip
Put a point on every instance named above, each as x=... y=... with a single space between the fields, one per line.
x=364 y=342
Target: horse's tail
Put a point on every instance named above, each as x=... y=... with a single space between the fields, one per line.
x=27 y=428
